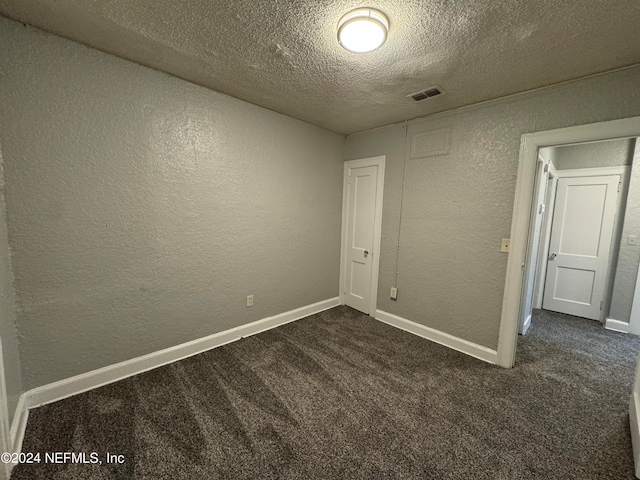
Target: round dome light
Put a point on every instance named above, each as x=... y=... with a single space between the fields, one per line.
x=363 y=30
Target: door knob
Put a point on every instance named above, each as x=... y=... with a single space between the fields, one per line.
x=553 y=256
x=366 y=253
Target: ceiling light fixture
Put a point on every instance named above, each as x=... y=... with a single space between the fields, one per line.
x=363 y=30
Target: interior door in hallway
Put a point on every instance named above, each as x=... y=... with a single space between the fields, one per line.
x=361 y=194
x=581 y=236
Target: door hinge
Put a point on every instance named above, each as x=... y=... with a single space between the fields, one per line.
x=601 y=304
x=619 y=185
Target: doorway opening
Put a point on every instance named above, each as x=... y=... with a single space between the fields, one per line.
x=523 y=213
x=577 y=262
x=525 y=206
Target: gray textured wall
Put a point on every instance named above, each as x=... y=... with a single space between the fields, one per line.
x=457 y=207
x=143 y=209
x=8 y=334
x=612 y=153
x=628 y=255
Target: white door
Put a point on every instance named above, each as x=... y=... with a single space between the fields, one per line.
x=534 y=246
x=363 y=201
x=581 y=235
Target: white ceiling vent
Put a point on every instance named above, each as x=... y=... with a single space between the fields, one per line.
x=424 y=94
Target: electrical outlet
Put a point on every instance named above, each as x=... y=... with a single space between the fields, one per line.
x=632 y=240
x=394 y=293
x=504 y=246
x=249 y=300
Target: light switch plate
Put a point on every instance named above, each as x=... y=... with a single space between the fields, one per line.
x=504 y=245
x=632 y=240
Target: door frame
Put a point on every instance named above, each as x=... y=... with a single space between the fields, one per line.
x=634 y=320
x=5 y=428
x=377 y=226
x=543 y=173
x=521 y=218
x=545 y=239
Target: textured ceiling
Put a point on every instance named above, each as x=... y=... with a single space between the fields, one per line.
x=283 y=54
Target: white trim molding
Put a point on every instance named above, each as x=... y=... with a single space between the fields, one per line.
x=594 y=172
x=16 y=432
x=526 y=325
x=343 y=234
x=5 y=428
x=19 y=424
x=473 y=349
x=119 y=371
x=522 y=206
x=616 y=325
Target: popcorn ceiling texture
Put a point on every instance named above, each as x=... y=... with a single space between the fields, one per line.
x=457 y=207
x=283 y=55
x=142 y=209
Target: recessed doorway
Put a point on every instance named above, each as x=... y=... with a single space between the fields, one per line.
x=576 y=231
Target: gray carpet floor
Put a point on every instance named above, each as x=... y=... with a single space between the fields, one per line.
x=338 y=395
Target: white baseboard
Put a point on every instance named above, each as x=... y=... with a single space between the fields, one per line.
x=18 y=428
x=617 y=325
x=464 y=346
x=526 y=325
x=112 y=373
x=19 y=423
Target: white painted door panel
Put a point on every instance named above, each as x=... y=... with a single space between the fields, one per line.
x=361 y=211
x=581 y=235
x=534 y=247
